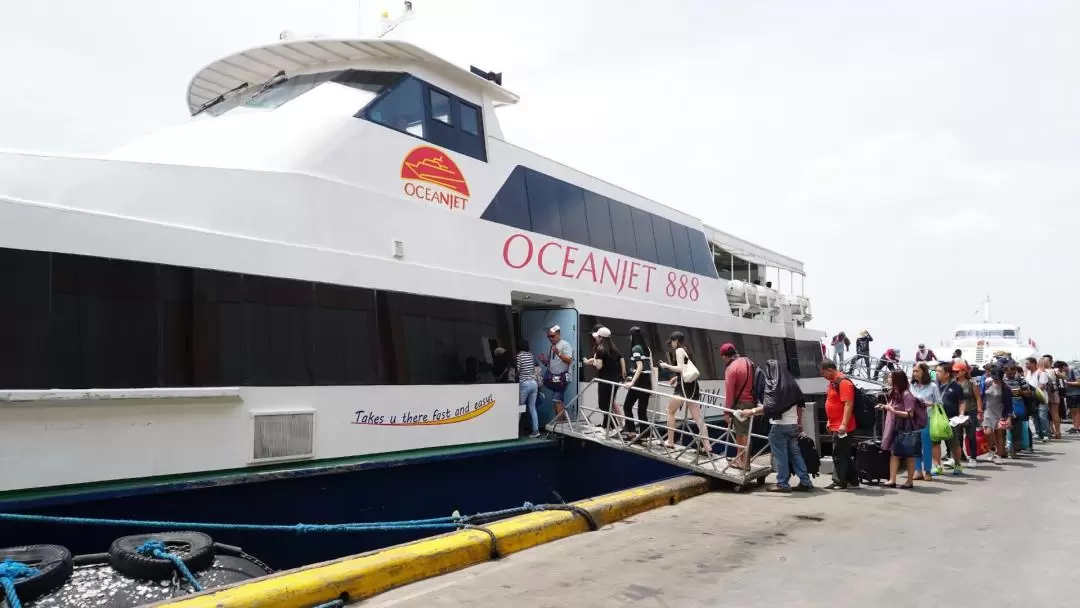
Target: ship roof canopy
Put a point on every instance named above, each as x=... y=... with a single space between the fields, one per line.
x=258 y=65
x=750 y=252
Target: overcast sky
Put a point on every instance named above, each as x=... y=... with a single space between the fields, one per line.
x=916 y=155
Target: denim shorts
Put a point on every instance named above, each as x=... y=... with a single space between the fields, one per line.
x=558 y=395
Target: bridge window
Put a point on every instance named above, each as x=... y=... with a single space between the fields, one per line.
x=419 y=109
x=440 y=107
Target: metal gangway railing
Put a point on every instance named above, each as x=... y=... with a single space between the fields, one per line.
x=869 y=369
x=690 y=450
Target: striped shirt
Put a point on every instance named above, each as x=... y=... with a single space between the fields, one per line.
x=526 y=366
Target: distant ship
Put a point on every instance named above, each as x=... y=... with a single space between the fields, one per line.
x=978 y=342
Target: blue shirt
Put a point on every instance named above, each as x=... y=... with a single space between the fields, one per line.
x=1072 y=376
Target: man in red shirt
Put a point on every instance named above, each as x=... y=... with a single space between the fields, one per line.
x=739 y=395
x=840 y=413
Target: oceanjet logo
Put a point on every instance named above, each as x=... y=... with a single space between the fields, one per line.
x=435 y=167
x=470 y=410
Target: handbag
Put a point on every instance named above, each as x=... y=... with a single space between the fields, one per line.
x=1019 y=408
x=690 y=371
x=907 y=442
x=940 y=429
x=555 y=382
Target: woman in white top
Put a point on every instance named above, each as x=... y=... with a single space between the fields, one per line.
x=686 y=391
x=924 y=388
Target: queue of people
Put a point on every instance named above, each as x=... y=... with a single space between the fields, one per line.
x=951 y=417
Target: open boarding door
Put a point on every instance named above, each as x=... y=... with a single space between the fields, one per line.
x=534 y=326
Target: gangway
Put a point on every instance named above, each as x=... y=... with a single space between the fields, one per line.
x=594 y=425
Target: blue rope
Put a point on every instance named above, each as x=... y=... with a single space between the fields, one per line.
x=10 y=572
x=434 y=523
x=157 y=549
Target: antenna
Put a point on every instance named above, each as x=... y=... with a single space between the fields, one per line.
x=389 y=25
x=986 y=309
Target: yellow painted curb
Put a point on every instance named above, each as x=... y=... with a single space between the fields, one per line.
x=363 y=576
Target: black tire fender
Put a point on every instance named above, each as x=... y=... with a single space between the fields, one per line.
x=54 y=565
x=195 y=548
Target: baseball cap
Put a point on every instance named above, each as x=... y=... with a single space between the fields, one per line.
x=959 y=366
x=603 y=332
x=554 y=329
x=922 y=345
x=727 y=349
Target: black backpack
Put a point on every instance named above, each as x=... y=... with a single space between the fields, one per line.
x=865 y=405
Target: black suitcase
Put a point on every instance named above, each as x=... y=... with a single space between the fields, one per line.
x=872 y=462
x=809 y=455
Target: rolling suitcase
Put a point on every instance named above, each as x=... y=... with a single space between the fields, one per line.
x=809 y=455
x=872 y=462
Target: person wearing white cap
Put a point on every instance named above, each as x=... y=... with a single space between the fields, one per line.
x=610 y=367
x=556 y=376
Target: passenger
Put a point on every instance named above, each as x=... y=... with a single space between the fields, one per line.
x=527 y=372
x=971 y=407
x=686 y=391
x=958 y=354
x=556 y=377
x=638 y=385
x=840 y=343
x=997 y=409
x=924 y=387
x=952 y=398
x=840 y=415
x=1021 y=395
x=608 y=361
x=888 y=359
x=901 y=410
x=1071 y=379
x=784 y=408
x=1039 y=381
x=925 y=354
x=862 y=352
x=1054 y=394
x=738 y=395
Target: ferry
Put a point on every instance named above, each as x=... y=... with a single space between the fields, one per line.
x=977 y=342
x=297 y=306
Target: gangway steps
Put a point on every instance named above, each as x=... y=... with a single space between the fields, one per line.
x=650 y=443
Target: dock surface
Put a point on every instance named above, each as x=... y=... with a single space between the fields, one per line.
x=997 y=536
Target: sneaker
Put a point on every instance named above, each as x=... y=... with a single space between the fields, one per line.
x=802 y=487
x=534 y=435
x=958 y=470
x=779 y=488
x=971 y=463
x=948 y=463
x=935 y=471
x=995 y=459
x=835 y=486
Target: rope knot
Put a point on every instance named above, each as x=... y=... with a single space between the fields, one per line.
x=10 y=573
x=14 y=570
x=156 y=548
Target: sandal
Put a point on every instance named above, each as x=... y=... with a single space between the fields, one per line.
x=907 y=486
x=888 y=485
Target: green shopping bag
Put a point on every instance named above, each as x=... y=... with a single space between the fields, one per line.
x=940 y=430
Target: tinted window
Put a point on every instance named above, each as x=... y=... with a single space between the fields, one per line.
x=510 y=206
x=809 y=358
x=718 y=339
x=572 y=211
x=758 y=348
x=402 y=108
x=643 y=231
x=622 y=225
x=599 y=221
x=665 y=249
x=697 y=341
x=543 y=194
x=470 y=119
x=680 y=236
x=82 y=322
x=440 y=107
x=701 y=255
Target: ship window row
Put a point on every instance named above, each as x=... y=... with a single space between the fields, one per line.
x=77 y=322
x=534 y=201
x=801 y=357
x=986 y=333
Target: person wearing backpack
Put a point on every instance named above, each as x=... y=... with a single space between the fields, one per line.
x=738 y=395
x=840 y=413
x=782 y=403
